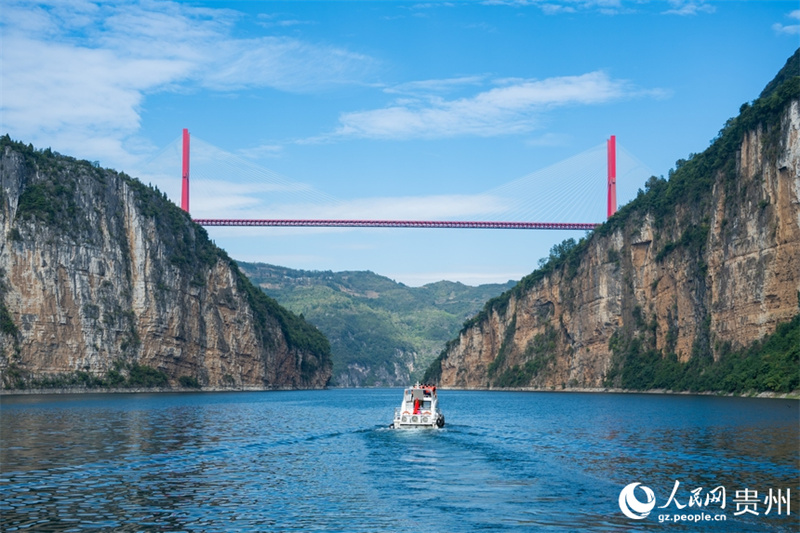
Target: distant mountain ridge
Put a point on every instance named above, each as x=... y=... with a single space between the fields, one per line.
x=382 y=333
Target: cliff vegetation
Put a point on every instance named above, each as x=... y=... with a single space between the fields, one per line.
x=694 y=285
x=105 y=283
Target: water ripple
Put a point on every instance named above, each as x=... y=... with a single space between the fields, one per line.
x=325 y=461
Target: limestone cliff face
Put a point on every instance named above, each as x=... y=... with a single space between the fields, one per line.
x=98 y=270
x=717 y=268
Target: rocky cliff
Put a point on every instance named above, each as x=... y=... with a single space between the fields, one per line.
x=102 y=277
x=697 y=267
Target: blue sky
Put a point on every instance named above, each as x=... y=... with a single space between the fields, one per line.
x=431 y=110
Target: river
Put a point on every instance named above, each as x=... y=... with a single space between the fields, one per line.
x=326 y=461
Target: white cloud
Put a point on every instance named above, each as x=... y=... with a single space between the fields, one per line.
x=426 y=87
x=76 y=74
x=282 y=63
x=556 y=7
x=277 y=20
x=250 y=191
x=788 y=29
x=437 y=207
x=217 y=202
x=511 y=108
x=689 y=7
x=84 y=100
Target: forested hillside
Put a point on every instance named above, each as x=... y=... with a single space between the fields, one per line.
x=381 y=332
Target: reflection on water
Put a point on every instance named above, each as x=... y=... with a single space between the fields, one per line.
x=324 y=460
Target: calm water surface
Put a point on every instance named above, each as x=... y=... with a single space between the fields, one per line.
x=325 y=461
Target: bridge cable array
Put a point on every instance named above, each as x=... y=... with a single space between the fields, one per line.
x=570 y=194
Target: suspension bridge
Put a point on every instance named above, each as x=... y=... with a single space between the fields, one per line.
x=512 y=196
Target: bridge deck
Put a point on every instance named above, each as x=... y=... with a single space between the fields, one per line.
x=397 y=224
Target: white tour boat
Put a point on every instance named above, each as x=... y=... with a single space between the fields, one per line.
x=420 y=409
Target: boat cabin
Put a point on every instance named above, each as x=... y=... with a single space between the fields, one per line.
x=419 y=408
x=419 y=400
